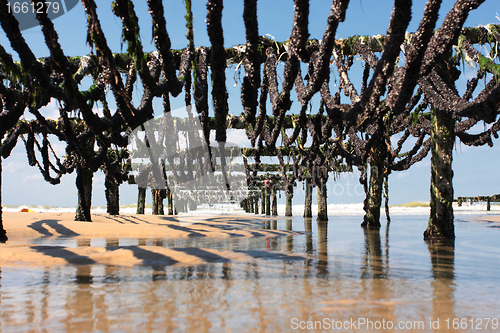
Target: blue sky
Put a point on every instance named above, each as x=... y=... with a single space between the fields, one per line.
x=475 y=169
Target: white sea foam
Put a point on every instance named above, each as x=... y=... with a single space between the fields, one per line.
x=297 y=210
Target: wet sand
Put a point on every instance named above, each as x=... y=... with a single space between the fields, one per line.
x=25 y=230
x=494 y=219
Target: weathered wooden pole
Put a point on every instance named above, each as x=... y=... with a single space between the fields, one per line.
x=268 y=201
x=308 y=198
x=161 y=207
x=155 y=194
x=84 y=185
x=275 y=201
x=263 y=200
x=442 y=139
x=3 y=233
x=112 y=195
x=170 y=202
x=322 y=201
x=386 y=198
x=374 y=195
x=141 y=200
x=256 y=203
x=158 y=197
x=488 y=205
x=289 y=197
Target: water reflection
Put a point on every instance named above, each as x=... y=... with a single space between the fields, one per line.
x=348 y=272
x=322 y=249
x=442 y=254
x=374 y=266
x=289 y=239
x=309 y=239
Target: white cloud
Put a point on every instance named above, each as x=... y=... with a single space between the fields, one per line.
x=30 y=178
x=400 y=175
x=238 y=137
x=14 y=167
x=426 y=163
x=51 y=111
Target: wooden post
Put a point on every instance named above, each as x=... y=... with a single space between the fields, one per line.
x=3 y=233
x=161 y=197
x=256 y=202
x=170 y=202
x=275 y=202
x=84 y=185
x=289 y=196
x=322 y=202
x=263 y=200
x=141 y=200
x=156 y=198
x=268 y=201
x=374 y=195
x=247 y=205
x=488 y=205
x=440 y=224
x=308 y=199
x=112 y=195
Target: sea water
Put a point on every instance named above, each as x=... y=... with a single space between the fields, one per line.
x=337 y=275
x=415 y=208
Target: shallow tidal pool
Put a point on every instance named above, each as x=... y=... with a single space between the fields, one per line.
x=336 y=277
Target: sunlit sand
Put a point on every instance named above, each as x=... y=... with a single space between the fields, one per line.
x=26 y=229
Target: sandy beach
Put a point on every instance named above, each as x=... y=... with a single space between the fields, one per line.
x=24 y=229
x=495 y=219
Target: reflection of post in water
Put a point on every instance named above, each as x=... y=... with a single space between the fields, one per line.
x=112 y=242
x=274 y=203
x=274 y=225
x=442 y=254
x=83 y=242
x=289 y=239
x=375 y=284
x=308 y=229
x=227 y=271
x=374 y=263
x=79 y=303
x=268 y=224
x=322 y=247
x=387 y=241
x=44 y=302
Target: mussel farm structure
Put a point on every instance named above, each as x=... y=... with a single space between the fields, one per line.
x=405 y=105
